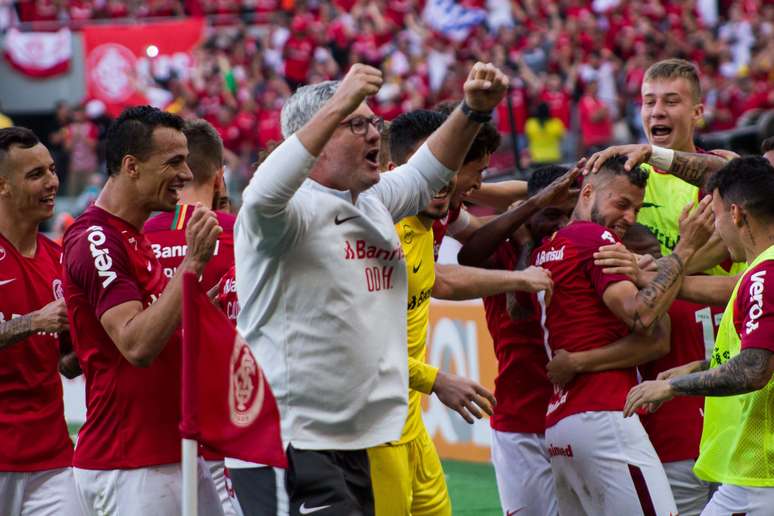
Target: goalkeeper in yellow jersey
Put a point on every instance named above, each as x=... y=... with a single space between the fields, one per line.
x=406 y=474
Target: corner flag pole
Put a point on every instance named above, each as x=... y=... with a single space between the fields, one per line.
x=190 y=477
x=189 y=427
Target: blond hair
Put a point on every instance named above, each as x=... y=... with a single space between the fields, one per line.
x=676 y=69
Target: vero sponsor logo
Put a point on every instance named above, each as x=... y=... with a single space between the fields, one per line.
x=102 y=260
x=756 y=301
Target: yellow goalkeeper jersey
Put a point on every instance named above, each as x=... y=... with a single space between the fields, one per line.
x=417 y=242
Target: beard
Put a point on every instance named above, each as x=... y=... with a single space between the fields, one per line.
x=596 y=217
x=435 y=215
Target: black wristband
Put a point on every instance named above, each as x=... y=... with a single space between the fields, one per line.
x=481 y=117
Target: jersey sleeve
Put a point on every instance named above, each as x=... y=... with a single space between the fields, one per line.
x=421 y=376
x=100 y=265
x=592 y=239
x=755 y=306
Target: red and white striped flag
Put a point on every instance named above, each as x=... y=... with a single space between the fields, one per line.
x=39 y=54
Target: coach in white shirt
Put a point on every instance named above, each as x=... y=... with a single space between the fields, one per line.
x=322 y=280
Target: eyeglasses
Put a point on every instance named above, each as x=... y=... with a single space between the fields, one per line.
x=359 y=124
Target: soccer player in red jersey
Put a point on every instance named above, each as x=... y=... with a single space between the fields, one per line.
x=603 y=463
x=125 y=315
x=36 y=451
x=166 y=234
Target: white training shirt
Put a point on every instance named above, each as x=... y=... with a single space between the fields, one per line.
x=322 y=285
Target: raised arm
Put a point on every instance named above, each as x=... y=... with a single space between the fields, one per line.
x=500 y=195
x=481 y=244
x=640 y=308
x=141 y=334
x=691 y=167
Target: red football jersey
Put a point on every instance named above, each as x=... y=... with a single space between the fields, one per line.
x=577 y=318
x=227 y=296
x=675 y=428
x=33 y=432
x=522 y=388
x=132 y=412
x=441 y=226
x=166 y=233
x=754 y=307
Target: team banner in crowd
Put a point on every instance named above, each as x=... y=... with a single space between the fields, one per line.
x=452 y=19
x=227 y=403
x=122 y=60
x=39 y=54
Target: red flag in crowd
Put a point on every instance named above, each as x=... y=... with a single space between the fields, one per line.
x=228 y=405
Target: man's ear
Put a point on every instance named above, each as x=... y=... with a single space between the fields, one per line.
x=391 y=165
x=4 y=186
x=586 y=190
x=129 y=164
x=698 y=113
x=738 y=215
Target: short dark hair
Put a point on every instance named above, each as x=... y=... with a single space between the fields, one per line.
x=19 y=136
x=767 y=145
x=748 y=182
x=544 y=176
x=615 y=167
x=409 y=129
x=205 y=150
x=486 y=141
x=131 y=133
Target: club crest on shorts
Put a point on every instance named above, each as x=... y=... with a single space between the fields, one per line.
x=56 y=287
x=245 y=394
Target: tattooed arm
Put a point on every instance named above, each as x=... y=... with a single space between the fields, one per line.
x=749 y=371
x=52 y=318
x=691 y=167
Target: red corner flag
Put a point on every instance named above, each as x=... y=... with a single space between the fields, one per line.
x=227 y=403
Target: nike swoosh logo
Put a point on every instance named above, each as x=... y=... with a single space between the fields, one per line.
x=650 y=205
x=6 y=282
x=338 y=221
x=309 y=510
x=416 y=268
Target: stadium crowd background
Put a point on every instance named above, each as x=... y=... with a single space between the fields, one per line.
x=575 y=65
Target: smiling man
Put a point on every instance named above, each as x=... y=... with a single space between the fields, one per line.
x=36 y=454
x=125 y=315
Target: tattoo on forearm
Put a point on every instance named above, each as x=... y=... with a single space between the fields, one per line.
x=670 y=268
x=694 y=168
x=740 y=375
x=18 y=328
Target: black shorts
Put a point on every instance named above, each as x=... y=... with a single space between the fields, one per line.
x=328 y=483
x=257 y=490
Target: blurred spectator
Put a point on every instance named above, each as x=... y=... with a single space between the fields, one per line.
x=79 y=140
x=5 y=121
x=596 y=124
x=544 y=134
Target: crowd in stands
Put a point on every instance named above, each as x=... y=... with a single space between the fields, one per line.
x=576 y=66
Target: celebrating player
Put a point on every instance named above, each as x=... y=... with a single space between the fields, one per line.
x=594 y=473
x=735 y=448
x=125 y=316
x=406 y=474
x=36 y=454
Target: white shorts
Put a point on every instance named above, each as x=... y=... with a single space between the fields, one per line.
x=220 y=479
x=748 y=501
x=523 y=472
x=691 y=493
x=605 y=465
x=151 y=491
x=41 y=493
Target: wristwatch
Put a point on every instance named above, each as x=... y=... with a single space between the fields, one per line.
x=481 y=117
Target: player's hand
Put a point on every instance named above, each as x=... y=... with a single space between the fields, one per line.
x=650 y=392
x=201 y=235
x=636 y=154
x=679 y=371
x=646 y=262
x=562 y=368
x=535 y=279
x=361 y=82
x=52 y=318
x=485 y=87
x=464 y=396
x=617 y=259
x=561 y=188
x=696 y=225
